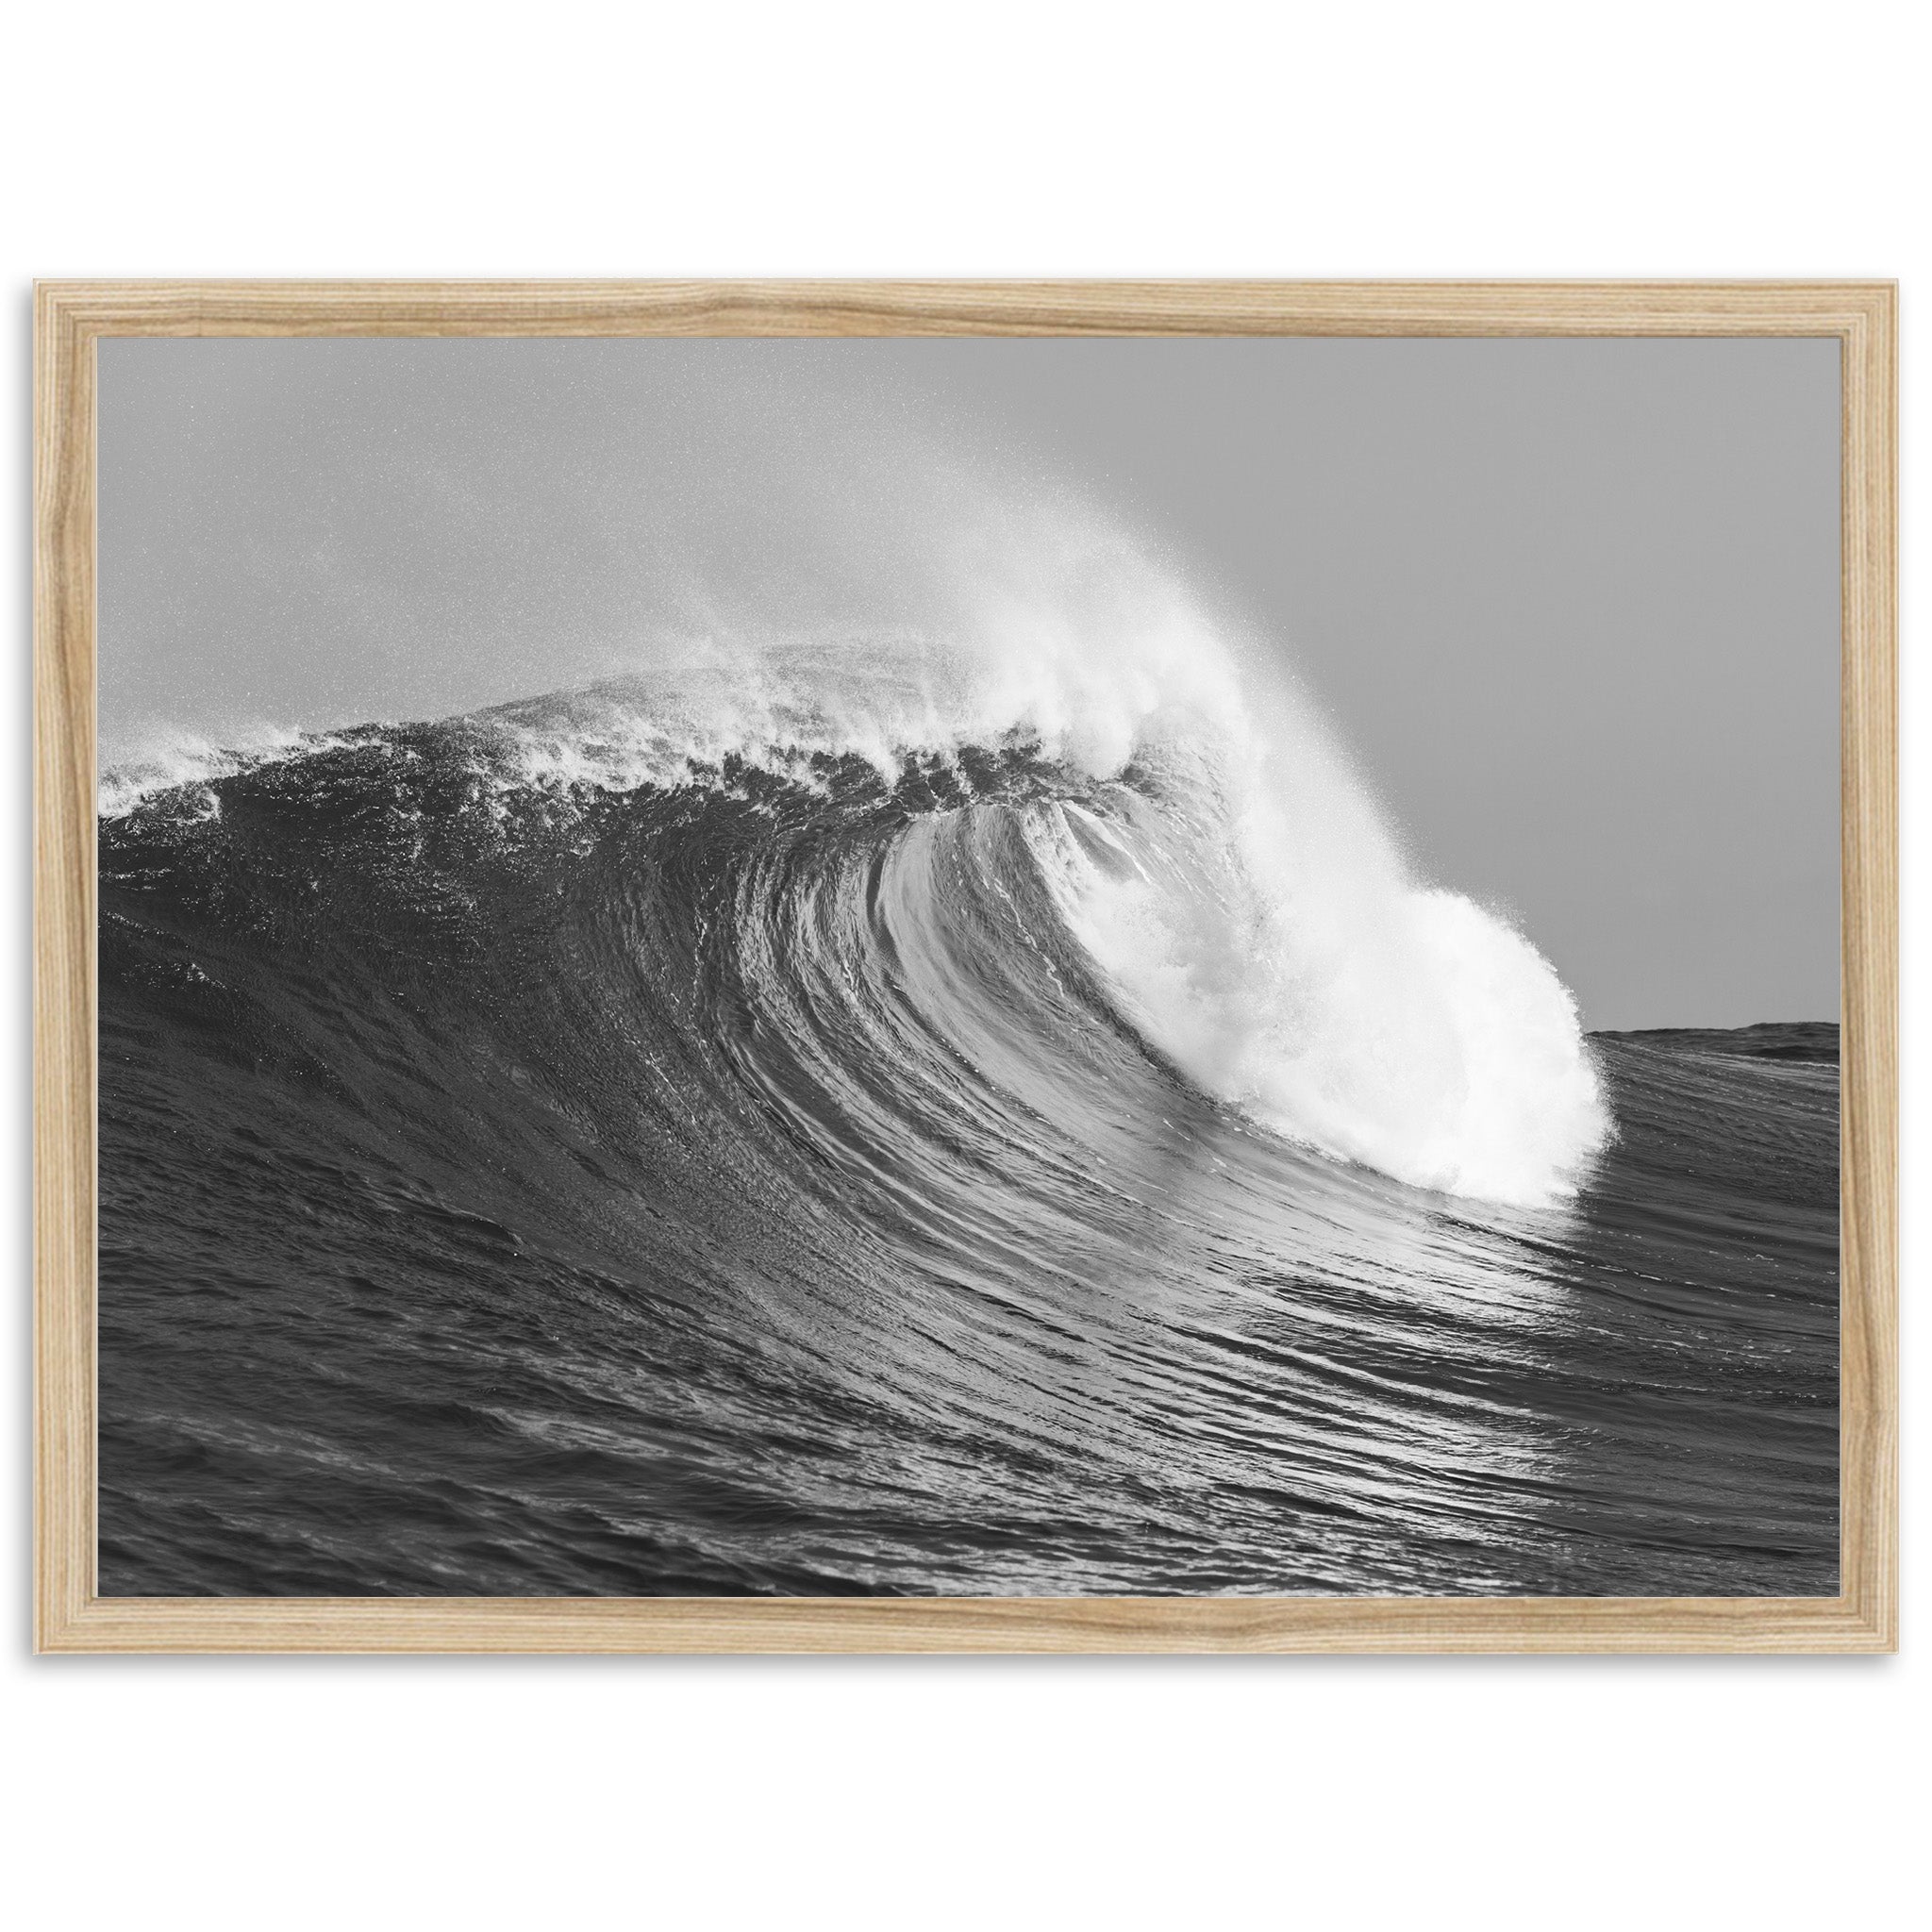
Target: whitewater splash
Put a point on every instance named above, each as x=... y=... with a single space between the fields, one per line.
x=1243 y=897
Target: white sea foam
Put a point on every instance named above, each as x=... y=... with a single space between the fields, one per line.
x=165 y=758
x=1339 y=1002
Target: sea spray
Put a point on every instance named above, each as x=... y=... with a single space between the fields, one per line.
x=1257 y=922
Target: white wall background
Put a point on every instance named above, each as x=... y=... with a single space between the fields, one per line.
x=401 y=138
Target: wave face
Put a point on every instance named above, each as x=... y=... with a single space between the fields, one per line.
x=830 y=1126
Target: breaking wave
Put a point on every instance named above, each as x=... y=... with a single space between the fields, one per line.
x=1198 y=855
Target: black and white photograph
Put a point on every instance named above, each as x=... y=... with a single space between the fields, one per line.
x=968 y=967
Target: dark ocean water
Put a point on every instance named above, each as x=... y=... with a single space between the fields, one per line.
x=752 y=1186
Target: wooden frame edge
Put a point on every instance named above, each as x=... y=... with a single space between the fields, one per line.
x=1868 y=1303
x=64 y=880
x=70 y=1617
x=1013 y=1626
x=848 y=308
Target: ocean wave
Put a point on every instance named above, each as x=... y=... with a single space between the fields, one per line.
x=705 y=1147
x=1223 y=884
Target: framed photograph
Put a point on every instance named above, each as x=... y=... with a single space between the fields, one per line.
x=972 y=967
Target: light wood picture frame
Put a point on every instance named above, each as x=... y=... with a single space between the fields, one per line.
x=73 y=318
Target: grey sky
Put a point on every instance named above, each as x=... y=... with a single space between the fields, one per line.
x=1574 y=604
